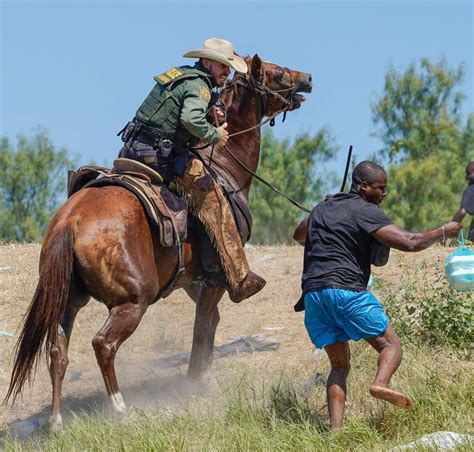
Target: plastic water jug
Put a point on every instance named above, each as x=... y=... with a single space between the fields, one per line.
x=459 y=269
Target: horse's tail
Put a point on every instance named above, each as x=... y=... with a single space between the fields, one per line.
x=46 y=309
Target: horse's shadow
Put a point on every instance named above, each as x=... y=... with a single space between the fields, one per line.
x=168 y=392
x=158 y=391
x=161 y=391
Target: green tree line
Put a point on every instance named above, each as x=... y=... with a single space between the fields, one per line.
x=32 y=185
x=426 y=144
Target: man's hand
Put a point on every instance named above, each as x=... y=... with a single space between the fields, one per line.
x=216 y=115
x=224 y=135
x=451 y=229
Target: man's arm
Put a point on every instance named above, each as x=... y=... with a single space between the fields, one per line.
x=301 y=232
x=396 y=237
x=196 y=96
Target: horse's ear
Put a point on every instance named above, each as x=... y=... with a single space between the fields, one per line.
x=256 y=65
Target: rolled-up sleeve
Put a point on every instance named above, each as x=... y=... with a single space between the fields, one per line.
x=193 y=112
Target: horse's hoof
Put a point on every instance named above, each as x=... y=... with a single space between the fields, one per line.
x=200 y=378
x=118 y=407
x=129 y=414
x=56 y=423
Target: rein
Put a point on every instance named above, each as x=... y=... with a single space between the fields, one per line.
x=259 y=125
x=268 y=184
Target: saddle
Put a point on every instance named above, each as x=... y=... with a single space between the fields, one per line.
x=167 y=213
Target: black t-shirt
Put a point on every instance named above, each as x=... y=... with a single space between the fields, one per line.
x=468 y=199
x=337 y=249
x=468 y=204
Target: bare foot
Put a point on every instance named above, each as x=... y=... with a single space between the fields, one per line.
x=397 y=398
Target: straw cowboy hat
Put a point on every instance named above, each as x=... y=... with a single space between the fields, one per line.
x=219 y=50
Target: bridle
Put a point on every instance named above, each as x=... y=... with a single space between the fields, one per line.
x=263 y=90
x=261 y=87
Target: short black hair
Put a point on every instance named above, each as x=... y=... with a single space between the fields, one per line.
x=366 y=171
x=469 y=165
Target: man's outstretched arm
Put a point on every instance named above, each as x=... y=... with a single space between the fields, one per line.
x=396 y=237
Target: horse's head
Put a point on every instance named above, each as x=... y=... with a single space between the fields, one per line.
x=278 y=86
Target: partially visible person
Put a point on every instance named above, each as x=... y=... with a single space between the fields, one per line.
x=467 y=202
x=344 y=234
x=172 y=119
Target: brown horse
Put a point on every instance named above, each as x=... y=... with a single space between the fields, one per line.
x=99 y=244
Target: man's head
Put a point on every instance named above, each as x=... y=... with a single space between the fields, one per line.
x=470 y=173
x=218 y=57
x=219 y=72
x=370 y=181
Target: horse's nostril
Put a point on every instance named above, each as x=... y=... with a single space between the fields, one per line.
x=310 y=79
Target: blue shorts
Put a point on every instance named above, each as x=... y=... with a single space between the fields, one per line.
x=337 y=315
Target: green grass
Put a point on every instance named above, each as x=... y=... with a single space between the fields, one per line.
x=269 y=413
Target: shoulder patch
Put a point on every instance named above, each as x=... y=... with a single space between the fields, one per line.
x=205 y=93
x=169 y=75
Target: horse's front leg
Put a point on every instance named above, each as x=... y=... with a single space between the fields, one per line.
x=205 y=324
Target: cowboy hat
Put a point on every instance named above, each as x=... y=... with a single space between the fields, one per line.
x=219 y=50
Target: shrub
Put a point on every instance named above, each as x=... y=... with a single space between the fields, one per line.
x=431 y=310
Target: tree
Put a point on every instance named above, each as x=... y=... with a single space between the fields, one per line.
x=32 y=184
x=426 y=143
x=291 y=167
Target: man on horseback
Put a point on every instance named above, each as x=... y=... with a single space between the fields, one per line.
x=171 y=120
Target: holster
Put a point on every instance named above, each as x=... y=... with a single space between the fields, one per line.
x=153 y=146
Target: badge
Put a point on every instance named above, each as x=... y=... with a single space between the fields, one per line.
x=170 y=75
x=204 y=93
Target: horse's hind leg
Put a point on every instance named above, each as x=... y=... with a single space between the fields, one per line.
x=58 y=354
x=121 y=323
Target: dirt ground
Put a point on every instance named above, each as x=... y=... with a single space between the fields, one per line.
x=166 y=329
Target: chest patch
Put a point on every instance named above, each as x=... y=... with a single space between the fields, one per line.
x=169 y=75
x=204 y=93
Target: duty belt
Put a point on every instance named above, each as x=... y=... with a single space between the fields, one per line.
x=151 y=135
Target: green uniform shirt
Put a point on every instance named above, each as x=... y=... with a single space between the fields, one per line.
x=179 y=102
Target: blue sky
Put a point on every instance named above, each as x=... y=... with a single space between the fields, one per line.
x=81 y=69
